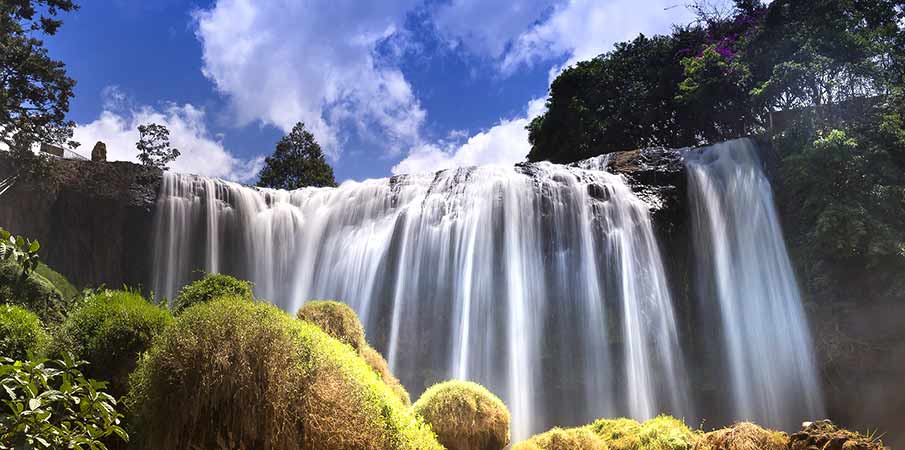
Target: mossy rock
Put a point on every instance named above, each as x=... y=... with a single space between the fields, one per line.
x=336 y=319
x=743 y=436
x=109 y=330
x=33 y=292
x=563 y=439
x=465 y=416
x=212 y=286
x=22 y=335
x=236 y=374
x=376 y=361
x=660 y=433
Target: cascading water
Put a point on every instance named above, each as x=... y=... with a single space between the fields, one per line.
x=745 y=272
x=542 y=282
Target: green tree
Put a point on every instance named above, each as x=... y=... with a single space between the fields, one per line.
x=297 y=162
x=34 y=88
x=154 y=146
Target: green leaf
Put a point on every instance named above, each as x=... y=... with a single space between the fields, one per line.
x=35 y=245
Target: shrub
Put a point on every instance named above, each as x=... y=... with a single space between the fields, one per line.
x=336 y=319
x=213 y=285
x=465 y=416
x=659 y=433
x=31 y=291
x=22 y=335
x=57 y=280
x=109 y=330
x=743 y=436
x=52 y=405
x=234 y=374
x=376 y=361
x=563 y=439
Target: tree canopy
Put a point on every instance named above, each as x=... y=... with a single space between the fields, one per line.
x=297 y=162
x=154 y=146
x=34 y=88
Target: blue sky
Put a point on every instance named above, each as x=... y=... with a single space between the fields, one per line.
x=389 y=86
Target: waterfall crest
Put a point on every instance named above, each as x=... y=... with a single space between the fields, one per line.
x=542 y=282
x=746 y=275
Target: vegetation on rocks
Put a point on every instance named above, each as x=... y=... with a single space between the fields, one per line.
x=31 y=291
x=377 y=362
x=22 y=334
x=743 y=436
x=210 y=287
x=241 y=374
x=659 y=433
x=336 y=319
x=110 y=330
x=563 y=439
x=465 y=416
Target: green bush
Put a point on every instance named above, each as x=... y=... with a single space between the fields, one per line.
x=659 y=433
x=563 y=439
x=31 y=291
x=465 y=416
x=235 y=374
x=109 y=330
x=376 y=361
x=57 y=280
x=52 y=405
x=213 y=285
x=336 y=319
x=22 y=335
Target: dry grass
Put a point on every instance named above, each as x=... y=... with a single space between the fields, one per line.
x=465 y=416
x=563 y=439
x=743 y=436
x=336 y=319
x=237 y=374
x=376 y=361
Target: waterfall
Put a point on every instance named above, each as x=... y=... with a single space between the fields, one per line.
x=747 y=277
x=542 y=282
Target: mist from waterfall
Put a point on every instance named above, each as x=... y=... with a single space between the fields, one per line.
x=542 y=282
x=745 y=275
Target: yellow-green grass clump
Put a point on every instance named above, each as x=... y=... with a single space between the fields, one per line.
x=376 y=361
x=563 y=439
x=237 y=374
x=213 y=285
x=743 y=436
x=336 y=319
x=660 y=433
x=465 y=416
x=110 y=330
x=22 y=335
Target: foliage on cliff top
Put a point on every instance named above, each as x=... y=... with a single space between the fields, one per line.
x=563 y=439
x=213 y=285
x=50 y=404
x=465 y=416
x=336 y=319
x=110 y=330
x=297 y=162
x=22 y=335
x=246 y=374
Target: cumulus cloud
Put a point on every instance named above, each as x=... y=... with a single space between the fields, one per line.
x=313 y=61
x=201 y=154
x=488 y=27
x=503 y=144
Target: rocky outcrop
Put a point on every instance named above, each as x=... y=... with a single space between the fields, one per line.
x=93 y=219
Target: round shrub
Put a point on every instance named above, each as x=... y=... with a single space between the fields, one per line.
x=213 y=285
x=660 y=433
x=465 y=416
x=563 y=439
x=32 y=292
x=379 y=364
x=233 y=374
x=336 y=319
x=22 y=336
x=109 y=330
x=743 y=436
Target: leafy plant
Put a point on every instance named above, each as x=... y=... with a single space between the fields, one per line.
x=154 y=146
x=22 y=250
x=51 y=405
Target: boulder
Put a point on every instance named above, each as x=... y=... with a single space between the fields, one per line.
x=99 y=152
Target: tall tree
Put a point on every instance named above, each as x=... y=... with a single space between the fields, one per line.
x=154 y=146
x=297 y=162
x=34 y=88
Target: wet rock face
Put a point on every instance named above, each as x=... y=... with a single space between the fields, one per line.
x=93 y=219
x=657 y=176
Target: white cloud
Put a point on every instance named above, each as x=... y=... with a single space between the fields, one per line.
x=314 y=61
x=504 y=144
x=201 y=154
x=487 y=27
